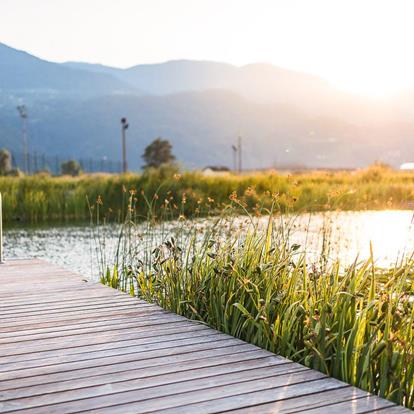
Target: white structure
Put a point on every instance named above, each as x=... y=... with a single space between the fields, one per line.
x=407 y=166
x=215 y=171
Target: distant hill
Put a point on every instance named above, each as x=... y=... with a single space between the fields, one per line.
x=285 y=117
x=23 y=73
x=259 y=82
x=202 y=126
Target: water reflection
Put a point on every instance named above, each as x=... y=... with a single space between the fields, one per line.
x=349 y=235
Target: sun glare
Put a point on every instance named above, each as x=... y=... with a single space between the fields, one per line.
x=374 y=84
x=361 y=47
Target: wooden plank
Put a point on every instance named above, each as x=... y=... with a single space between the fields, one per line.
x=91 y=293
x=297 y=404
x=242 y=396
x=129 y=324
x=92 y=304
x=87 y=300
x=188 y=368
x=86 y=316
x=97 y=397
x=97 y=310
x=129 y=339
x=368 y=404
x=103 y=338
x=393 y=410
x=47 y=378
x=204 y=400
x=68 y=345
x=62 y=326
x=78 y=310
x=121 y=351
x=73 y=367
x=50 y=326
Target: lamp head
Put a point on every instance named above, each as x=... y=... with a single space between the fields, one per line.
x=124 y=123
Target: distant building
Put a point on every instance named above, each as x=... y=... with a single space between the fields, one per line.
x=216 y=170
x=407 y=166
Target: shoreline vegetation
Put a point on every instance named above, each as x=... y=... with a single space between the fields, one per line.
x=45 y=199
x=354 y=323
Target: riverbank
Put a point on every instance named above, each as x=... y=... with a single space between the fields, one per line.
x=167 y=194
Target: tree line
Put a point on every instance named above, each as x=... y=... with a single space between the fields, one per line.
x=157 y=153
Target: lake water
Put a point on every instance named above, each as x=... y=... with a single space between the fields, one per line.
x=350 y=233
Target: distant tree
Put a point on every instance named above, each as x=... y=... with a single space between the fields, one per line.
x=70 y=167
x=158 y=153
x=5 y=162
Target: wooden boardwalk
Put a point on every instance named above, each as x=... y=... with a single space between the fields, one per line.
x=68 y=346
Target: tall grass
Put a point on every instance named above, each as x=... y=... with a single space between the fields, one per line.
x=40 y=198
x=355 y=324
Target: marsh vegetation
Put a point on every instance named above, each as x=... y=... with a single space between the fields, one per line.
x=167 y=193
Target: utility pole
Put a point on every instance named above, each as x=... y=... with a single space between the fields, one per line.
x=23 y=115
x=239 y=150
x=234 y=149
x=124 y=127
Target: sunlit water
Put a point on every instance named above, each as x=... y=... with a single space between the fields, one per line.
x=348 y=233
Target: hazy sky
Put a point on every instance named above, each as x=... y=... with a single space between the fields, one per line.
x=362 y=45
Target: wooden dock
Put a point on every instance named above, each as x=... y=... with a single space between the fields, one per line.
x=68 y=345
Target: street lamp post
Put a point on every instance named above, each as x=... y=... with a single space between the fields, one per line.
x=234 y=148
x=124 y=127
x=239 y=151
x=23 y=115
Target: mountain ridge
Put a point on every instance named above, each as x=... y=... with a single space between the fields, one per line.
x=285 y=117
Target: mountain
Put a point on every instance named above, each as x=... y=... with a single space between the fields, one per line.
x=202 y=126
x=94 y=68
x=260 y=82
x=22 y=73
x=285 y=117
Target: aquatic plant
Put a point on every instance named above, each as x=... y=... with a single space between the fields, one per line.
x=41 y=198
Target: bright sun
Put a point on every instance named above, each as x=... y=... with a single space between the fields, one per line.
x=372 y=82
x=375 y=45
x=360 y=46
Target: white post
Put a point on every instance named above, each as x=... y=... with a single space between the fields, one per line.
x=1 y=230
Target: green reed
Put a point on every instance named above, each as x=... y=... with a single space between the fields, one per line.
x=355 y=323
x=43 y=198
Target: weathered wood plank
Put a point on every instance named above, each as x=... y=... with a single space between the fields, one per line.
x=17 y=330
x=69 y=344
x=143 y=389
x=125 y=350
x=300 y=403
x=93 y=315
x=205 y=400
x=47 y=378
x=241 y=396
x=188 y=368
x=55 y=334
x=367 y=404
x=73 y=367
x=107 y=344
